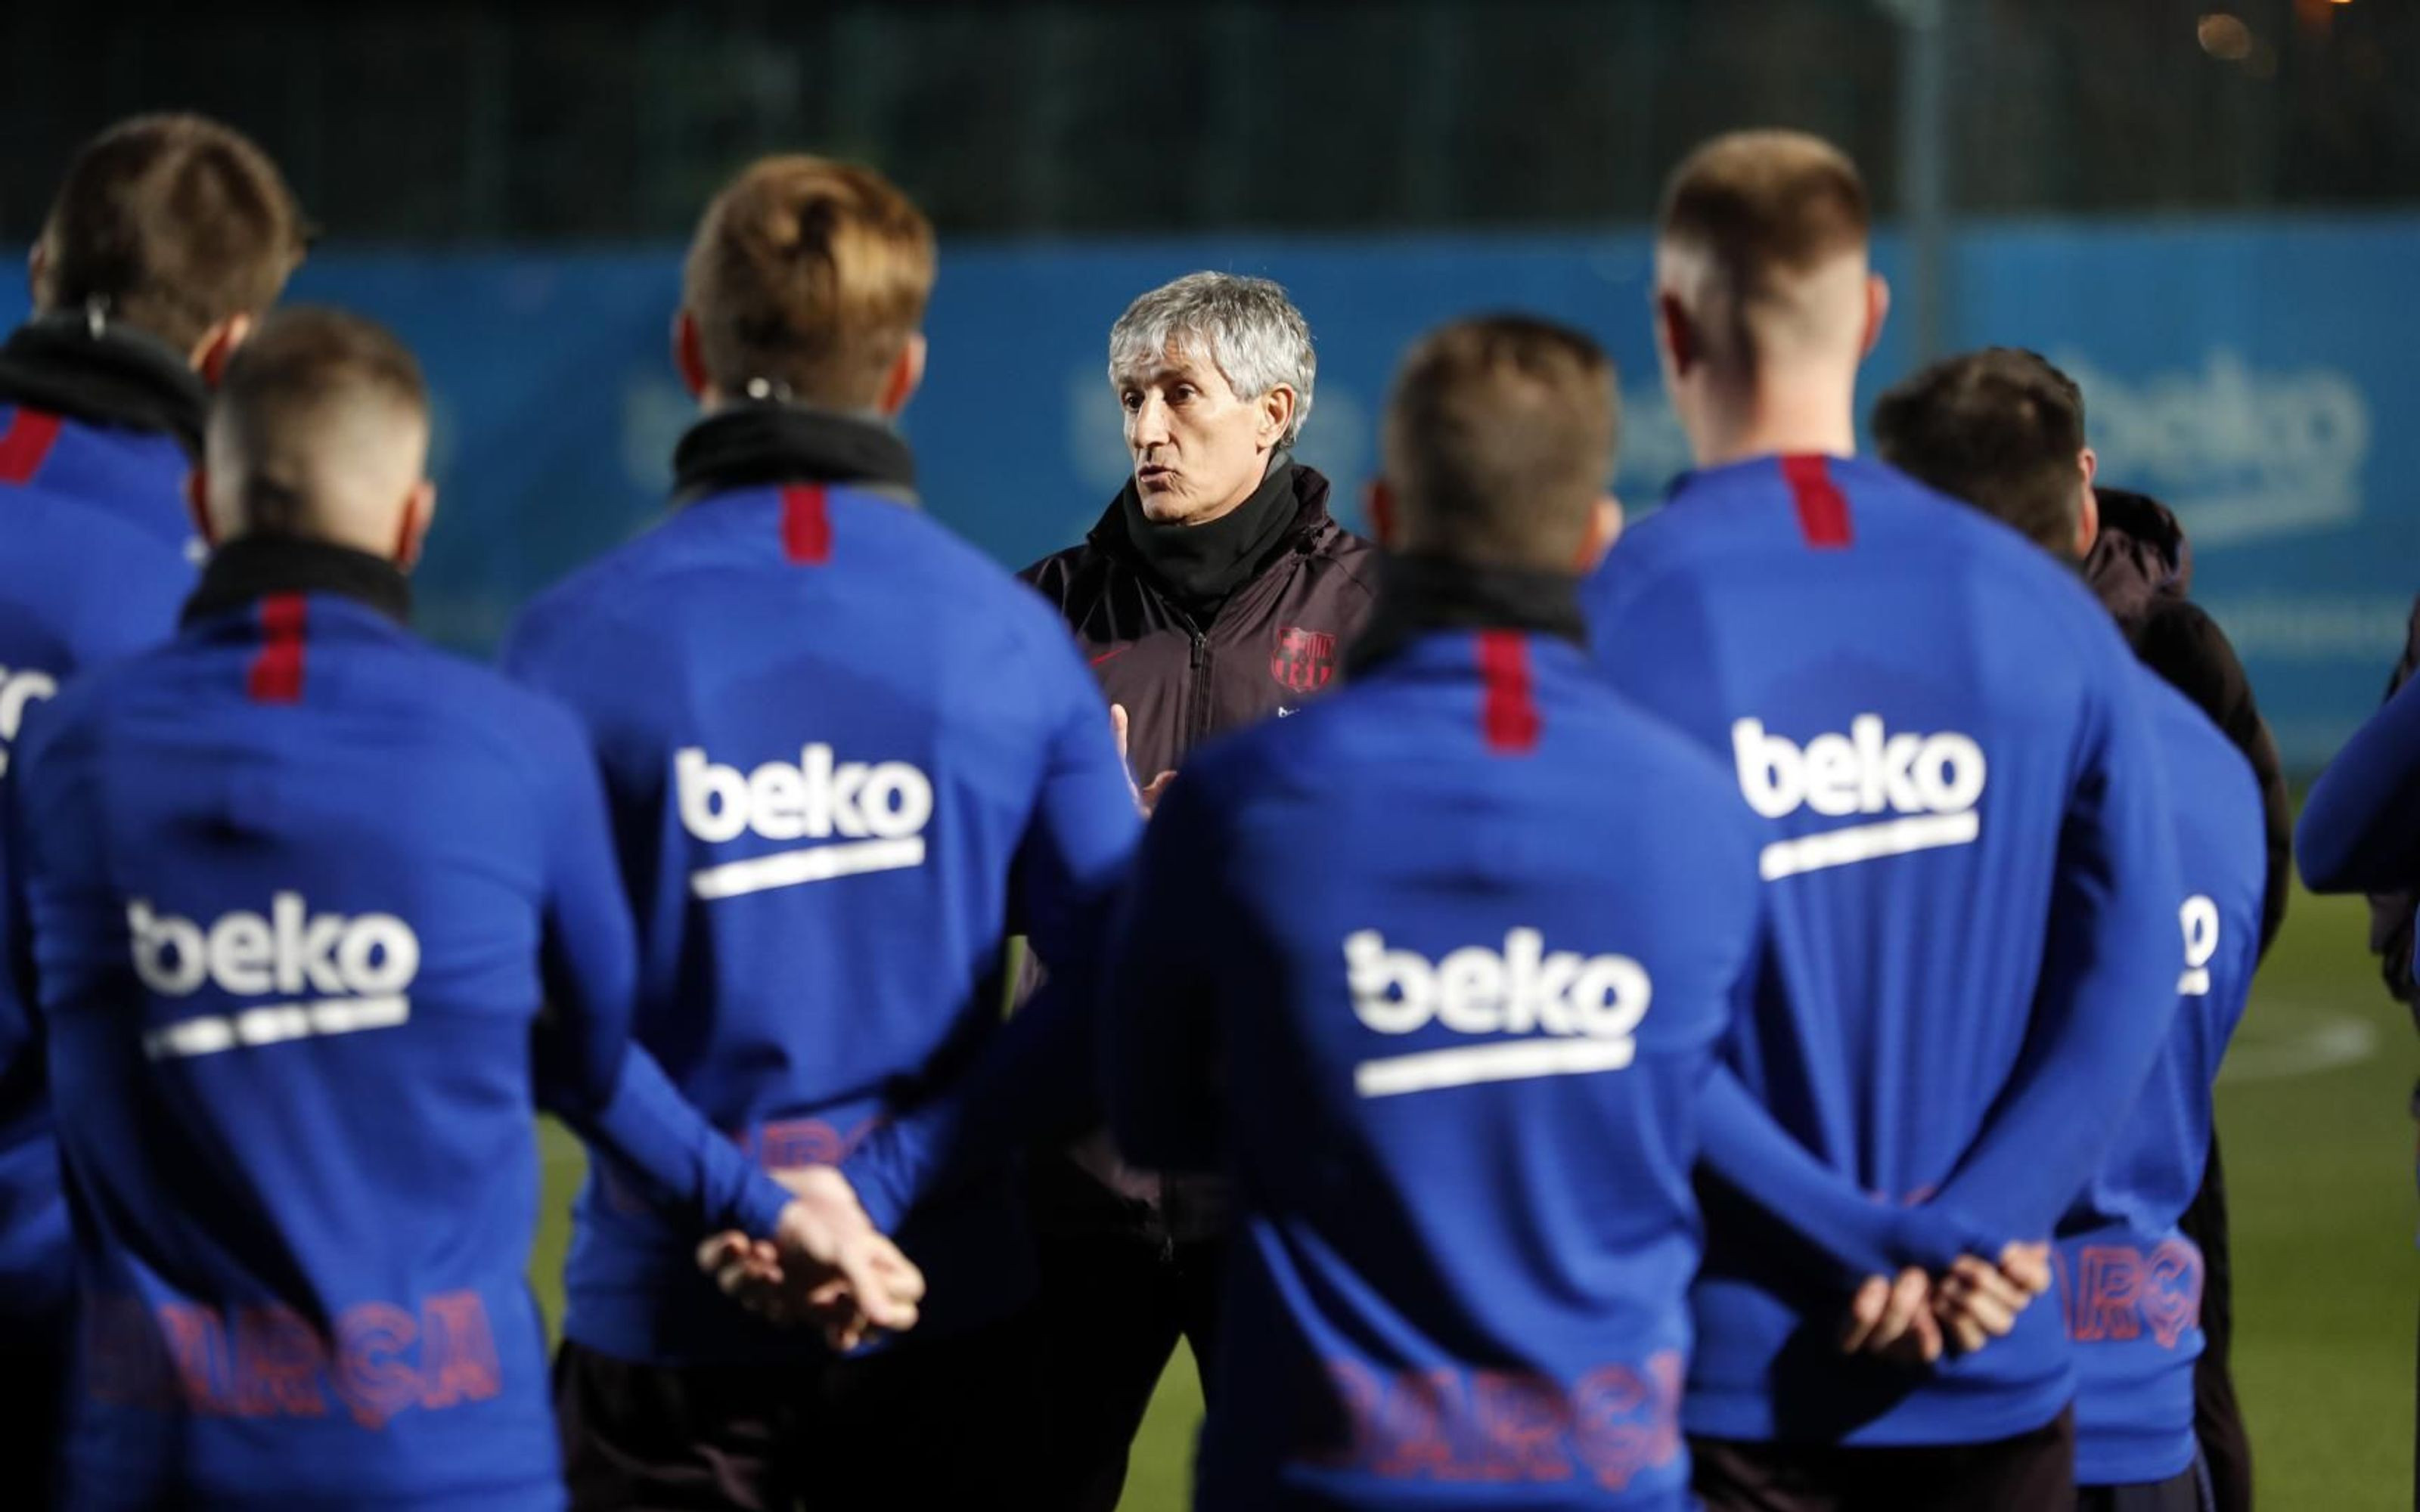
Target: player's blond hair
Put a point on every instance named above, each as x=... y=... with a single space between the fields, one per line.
x=807 y=278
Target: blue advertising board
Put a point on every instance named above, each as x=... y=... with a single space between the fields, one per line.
x=2237 y=370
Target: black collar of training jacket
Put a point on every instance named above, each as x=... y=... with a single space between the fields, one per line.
x=87 y=369
x=256 y=566
x=1420 y=595
x=1200 y=566
x=755 y=444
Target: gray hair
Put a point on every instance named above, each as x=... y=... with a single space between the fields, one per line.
x=1245 y=326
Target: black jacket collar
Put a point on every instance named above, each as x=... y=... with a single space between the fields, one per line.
x=1418 y=596
x=256 y=566
x=1201 y=566
x=90 y=370
x=750 y=445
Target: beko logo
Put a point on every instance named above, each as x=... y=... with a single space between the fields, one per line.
x=18 y=689
x=2199 y=916
x=1928 y=785
x=355 y=971
x=865 y=817
x=1576 y=1013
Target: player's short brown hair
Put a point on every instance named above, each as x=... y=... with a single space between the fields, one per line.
x=1499 y=440
x=305 y=373
x=170 y=224
x=1764 y=204
x=809 y=276
x=2000 y=428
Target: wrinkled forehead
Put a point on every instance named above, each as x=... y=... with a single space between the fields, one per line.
x=1187 y=356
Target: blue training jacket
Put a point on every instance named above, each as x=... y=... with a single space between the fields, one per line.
x=1437 y=969
x=1971 y=877
x=2129 y=1281
x=96 y=569
x=847 y=757
x=289 y=892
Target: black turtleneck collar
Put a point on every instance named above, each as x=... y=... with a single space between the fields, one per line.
x=92 y=370
x=1419 y=594
x=1200 y=565
x=750 y=445
x=254 y=566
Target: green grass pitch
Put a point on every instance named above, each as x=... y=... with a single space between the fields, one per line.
x=2320 y=1167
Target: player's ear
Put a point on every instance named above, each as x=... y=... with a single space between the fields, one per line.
x=2087 y=522
x=198 y=504
x=419 y=512
x=1604 y=528
x=688 y=355
x=1384 y=523
x=1674 y=333
x=218 y=344
x=1877 y=311
x=907 y=375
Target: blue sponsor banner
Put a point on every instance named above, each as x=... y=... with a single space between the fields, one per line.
x=2237 y=370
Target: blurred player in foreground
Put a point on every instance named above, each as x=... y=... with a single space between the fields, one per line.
x=847 y=757
x=292 y=894
x=1398 y=960
x=1963 y=839
x=168 y=238
x=2004 y=430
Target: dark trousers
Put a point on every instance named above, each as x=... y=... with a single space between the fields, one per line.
x=2218 y=1419
x=1112 y=1310
x=2188 y=1492
x=939 y=1423
x=33 y=1419
x=2031 y=1472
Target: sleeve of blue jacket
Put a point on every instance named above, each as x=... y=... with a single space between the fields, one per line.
x=1035 y=1081
x=591 y=1073
x=1158 y=1030
x=2361 y=825
x=2108 y=986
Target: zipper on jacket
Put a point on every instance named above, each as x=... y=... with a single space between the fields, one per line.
x=1197 y=721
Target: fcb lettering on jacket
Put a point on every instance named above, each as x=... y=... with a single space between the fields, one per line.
x=374 y=1361
x=2116 y=1293
x=1916 y=792
x=1451 y=1425
x=1303 y=660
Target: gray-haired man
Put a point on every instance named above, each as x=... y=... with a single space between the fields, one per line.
x=1216 y=591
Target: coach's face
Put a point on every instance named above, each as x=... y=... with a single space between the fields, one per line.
x=1199 y=448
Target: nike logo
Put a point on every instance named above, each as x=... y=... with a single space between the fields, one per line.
x=1113 y=651
x=1284 y=711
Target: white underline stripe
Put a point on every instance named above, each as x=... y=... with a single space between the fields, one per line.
x=815 y=863
x=276 y=1023
x=1505 y=1061
x=1864 y=842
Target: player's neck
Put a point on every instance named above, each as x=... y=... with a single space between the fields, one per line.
x=1779 y=417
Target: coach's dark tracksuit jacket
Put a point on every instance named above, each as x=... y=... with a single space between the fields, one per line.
x=2142 y=569
x=1197 y=632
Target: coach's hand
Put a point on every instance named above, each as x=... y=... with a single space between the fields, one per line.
x=826 y=1264
x=1147 y=797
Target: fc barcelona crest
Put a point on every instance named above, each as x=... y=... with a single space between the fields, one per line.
x=1304 y=660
